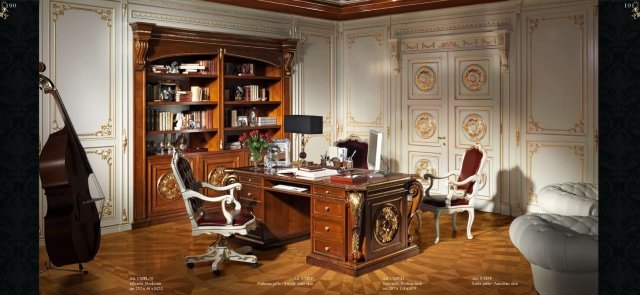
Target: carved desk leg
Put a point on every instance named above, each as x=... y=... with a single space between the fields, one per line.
x=415 y=192
x=356 y=201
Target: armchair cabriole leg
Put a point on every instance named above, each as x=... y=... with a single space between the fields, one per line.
x=454 y=225
x=437 y=223
x=469 y=223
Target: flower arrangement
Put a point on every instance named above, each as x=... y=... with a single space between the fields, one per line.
x=255 y=141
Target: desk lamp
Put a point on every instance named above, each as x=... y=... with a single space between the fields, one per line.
x=303 y=124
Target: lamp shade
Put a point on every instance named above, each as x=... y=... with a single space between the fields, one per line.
x=303 y=124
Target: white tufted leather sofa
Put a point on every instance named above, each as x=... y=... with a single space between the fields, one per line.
x=561 y=244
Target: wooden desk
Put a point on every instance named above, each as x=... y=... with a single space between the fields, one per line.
x=354 y=229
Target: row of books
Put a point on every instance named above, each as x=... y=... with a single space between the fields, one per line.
x=165 y=121
x=254 y=93
x=266 y=121
x=199 y=66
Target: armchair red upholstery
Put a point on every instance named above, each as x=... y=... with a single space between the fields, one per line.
x=355 y=143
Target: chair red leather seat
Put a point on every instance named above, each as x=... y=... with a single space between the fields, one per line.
x=239 y=217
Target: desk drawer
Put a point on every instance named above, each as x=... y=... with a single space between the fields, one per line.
x=331 y=249
x=328 y=191
x=327 y=228
x=251 y=198
x=247 y=179
x=328 y=207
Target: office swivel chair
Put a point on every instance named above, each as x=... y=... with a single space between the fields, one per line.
x=224 y=223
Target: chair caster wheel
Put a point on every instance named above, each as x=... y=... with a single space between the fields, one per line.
x=189 y=265
x=216 y=272
x=254 y=265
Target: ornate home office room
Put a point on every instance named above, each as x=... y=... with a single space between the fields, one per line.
x=318 y=146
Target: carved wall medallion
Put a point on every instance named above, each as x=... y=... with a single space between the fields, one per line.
x=425 y=125
x=423 y=167
x=168 y=187
x=425 y=79
x=386 y=223
x=474 y=127
x=474 y=77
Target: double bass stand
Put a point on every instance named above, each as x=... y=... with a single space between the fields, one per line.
x=49 y=266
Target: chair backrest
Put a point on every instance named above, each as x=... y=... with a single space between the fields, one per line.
x=472 y=164
x=186 y=181
x=355 y=143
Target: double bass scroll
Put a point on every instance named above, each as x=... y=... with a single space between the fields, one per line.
x=72 y=222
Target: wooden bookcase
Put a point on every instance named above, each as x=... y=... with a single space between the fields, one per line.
x=162 y=56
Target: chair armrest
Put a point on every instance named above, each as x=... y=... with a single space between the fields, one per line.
x=465 y=181
x=432 y=177
x=226 y=198
x=232 y=186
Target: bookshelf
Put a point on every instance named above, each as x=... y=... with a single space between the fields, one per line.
x=210 y=88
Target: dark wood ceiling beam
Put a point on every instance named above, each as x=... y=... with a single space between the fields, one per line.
x=317 y=9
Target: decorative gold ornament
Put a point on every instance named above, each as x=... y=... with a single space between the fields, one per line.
x=423 y=167
x=474 y=77
x=356 y=200
x=168 y=187
x=220 y=176
x=425 y=79
x=474 y=127
x=386 y=223
x=425 y=125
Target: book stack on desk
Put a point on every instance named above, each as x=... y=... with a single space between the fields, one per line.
x=349 y=179
x=315 y=173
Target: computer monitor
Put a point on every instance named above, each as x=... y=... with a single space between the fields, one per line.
x=374 y=151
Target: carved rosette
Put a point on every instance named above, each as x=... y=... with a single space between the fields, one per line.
x=474 y=77
x=423 y=167
x=387 y=220
x=474 y=127
x=425 y=79
x=425 y=125
x=220 y=177
x=356 y=199
x=168 y=187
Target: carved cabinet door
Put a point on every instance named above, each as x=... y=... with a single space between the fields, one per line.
x=451 y=100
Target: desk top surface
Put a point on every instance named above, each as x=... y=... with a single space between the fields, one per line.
x=363 y=179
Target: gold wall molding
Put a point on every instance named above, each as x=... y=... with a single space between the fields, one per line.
x=107 y=156
x=425 y=79
x=158 y=17
x=425 y=125
x=534 y=147
x=474 y=77
x=474 y=127
x=452 y=27
x=498 y=39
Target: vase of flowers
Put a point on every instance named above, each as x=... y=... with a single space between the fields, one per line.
x=255 y=142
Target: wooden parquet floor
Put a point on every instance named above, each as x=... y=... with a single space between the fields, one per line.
x=487 y=264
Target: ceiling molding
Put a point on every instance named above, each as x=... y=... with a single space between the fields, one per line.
x=348 y=9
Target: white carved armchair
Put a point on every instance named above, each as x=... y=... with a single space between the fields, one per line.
x=463 y=186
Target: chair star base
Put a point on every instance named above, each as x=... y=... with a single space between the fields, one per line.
x=219 y=252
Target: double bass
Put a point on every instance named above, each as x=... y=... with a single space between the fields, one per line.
x=72 y=222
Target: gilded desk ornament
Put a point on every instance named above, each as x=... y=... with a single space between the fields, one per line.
x=356 y=199
x=425 y=125
x=220 y=176
x=386 y=223
x=168 y=187
x=474 y=127
x=474 y=77
x=415 y=192
x=425 y=79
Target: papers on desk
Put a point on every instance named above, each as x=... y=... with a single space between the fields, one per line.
x=290 y=188
x=309 y=174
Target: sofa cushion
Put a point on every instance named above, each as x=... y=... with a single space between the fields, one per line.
x=569 y=198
